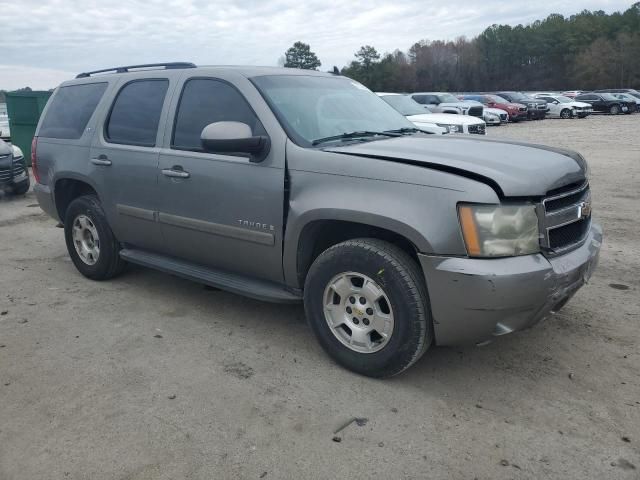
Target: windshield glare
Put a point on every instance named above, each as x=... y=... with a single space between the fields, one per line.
x=497 y=99
x=405 y=105
x=608 y=96
x=310 y=108
x=562 y=99
x=448 y=98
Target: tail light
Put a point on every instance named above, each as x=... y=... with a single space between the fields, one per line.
x=34 y=159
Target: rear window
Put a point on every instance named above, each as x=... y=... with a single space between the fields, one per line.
x=135 y=114
x=70 y=110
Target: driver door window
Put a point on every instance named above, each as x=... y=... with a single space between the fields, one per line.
x=206 y=101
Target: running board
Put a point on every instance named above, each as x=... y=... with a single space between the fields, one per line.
x=249 y=287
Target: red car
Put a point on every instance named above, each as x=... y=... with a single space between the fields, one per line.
x=516 y=111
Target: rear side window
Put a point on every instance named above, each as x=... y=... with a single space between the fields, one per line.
x=70 y=110
x=206 y=101
x=135 y=114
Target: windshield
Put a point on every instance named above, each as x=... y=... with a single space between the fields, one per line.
x=518 y=96
x=311 y=108
x=497 y=99
x=405 y=105
x=608 y=96
x=447 y=98
x=562 y=99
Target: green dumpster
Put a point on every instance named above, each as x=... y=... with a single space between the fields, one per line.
x=24 y=109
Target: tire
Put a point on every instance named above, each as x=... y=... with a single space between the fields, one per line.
x=614 y=110
x=403 y=299
x=106 y=262
x=565 y=113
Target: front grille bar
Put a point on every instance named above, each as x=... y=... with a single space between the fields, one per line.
x=555 y=214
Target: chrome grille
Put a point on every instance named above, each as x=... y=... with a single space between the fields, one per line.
x=565 y=215
x=477 y=129
x=6 y=174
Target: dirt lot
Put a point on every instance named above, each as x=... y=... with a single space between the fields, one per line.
x=152 y=377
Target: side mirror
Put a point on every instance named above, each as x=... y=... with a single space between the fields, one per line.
x=234 y=137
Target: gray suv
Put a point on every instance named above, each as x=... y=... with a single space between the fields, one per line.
x=291 y=185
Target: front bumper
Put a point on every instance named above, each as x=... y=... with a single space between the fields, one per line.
x=519 y=115
x=14 y=176
x=476 y=300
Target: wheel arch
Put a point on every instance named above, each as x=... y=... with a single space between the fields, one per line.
x=320 y=232
x=66 y=188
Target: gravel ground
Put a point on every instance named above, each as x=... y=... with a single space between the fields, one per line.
x=153 y=377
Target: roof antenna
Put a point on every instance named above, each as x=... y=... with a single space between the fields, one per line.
x=335 y=70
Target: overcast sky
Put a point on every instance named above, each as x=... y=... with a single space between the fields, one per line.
x=43 y=42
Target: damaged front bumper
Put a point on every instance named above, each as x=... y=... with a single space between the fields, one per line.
x=475 y=300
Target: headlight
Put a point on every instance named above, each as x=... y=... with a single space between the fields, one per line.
x=452 y=128
x=499 y=230
x=17 y=153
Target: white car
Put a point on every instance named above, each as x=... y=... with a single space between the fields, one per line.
x=561 y=106
x=4 y=126
x=628 y=98
x=492 y=116
x=417 y=114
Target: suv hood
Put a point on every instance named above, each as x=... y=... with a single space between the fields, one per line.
x=512 y=169
x=448 y=118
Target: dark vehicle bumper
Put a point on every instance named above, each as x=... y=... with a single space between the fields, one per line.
x=45 y=199
x=475 y=300
x=16 y=175
x=537 y=114
x=518 y=116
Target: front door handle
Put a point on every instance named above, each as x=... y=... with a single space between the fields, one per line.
x=176 y=172
x=102 y=160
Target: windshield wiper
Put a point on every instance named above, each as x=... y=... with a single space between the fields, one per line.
x=358 y=134
x=403 y=130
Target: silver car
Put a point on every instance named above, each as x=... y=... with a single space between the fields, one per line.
x=290 y=185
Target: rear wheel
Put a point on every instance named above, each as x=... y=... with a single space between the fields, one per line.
x=91 y=244
x=565 y=113
x=614 y=110
x=367 y=304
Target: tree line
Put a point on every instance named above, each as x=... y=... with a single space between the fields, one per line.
x=588 y=50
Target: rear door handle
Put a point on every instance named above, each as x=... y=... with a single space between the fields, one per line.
x=176 y=172
x=101 y=160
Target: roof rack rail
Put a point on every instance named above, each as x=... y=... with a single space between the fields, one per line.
x=125 y=69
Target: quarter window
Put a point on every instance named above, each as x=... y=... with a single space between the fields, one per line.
x=206 y=101
x=70 y=110
x=135 y=114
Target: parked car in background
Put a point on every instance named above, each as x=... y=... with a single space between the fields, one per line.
x=14 y=174
x=492 y=116
x=633 y=102
x=572 y=93
x=631 y=91
x=516 y=111
x=604 y=103
x=290 y=185
x=565 y=107
x=417 y=114
x=536 y=109
x=5 y=132
x=440 y=102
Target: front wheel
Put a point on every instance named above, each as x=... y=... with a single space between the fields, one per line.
x=614 y=110
x=565 y=113
x=367 y=304
x=91 y=244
